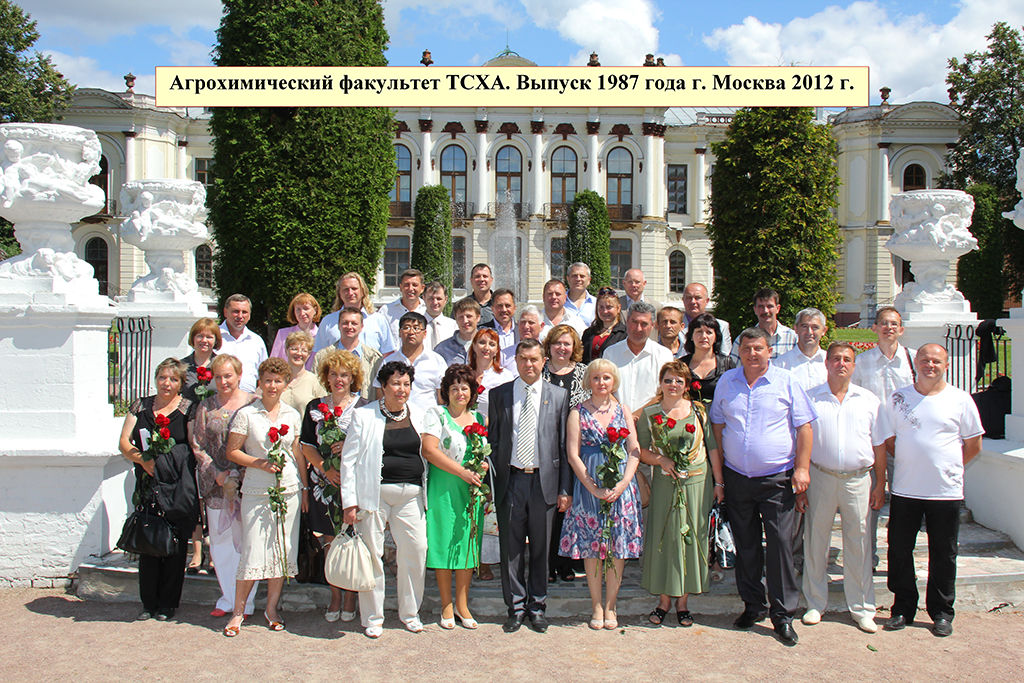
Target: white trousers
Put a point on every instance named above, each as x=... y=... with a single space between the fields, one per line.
x=851 y=497
x=225 y=559
x=401 y=507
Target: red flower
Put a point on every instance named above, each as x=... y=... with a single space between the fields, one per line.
x=623 y=433
x=283 y=430
x=165 y=433
x=162 y=421
x=480 y=389
x=613 y=434
x=469 y=429
x=690 y=428
x=659 y=418
x=337 y=411
x=671 y=423
x=695 y=385
x=273 y=435
x=324 y=409
x=204 y=374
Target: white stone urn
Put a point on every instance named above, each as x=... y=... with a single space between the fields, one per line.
x=45 y=187
x=165 y=220
x=931 y=231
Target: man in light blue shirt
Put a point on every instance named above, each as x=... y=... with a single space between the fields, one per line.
x=578 y=300
x=767 y=306
x=352 y=292
x=761 y=418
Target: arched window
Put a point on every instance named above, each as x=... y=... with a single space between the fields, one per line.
x=204 y=266
x=914 y=178
x=620 y=184
x=563 y=181
x=397 y=250
x=102 y=181
x=401 y=193
x=676 y=272
x=508 y=175
x=96 y=252
x=453 y=176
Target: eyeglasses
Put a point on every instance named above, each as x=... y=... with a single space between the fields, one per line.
x=606 y=290
x=410 y=328
x=674 y=380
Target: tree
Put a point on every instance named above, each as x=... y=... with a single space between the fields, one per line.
x=432 y=236
x=300 y=194
x=987 y=90
x=775 y=188
x=31 y=89
x=589 y=238
x=979 y=274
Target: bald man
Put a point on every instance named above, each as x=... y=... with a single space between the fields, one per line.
x=935 y=430
x=634 y=283
x=695 y=302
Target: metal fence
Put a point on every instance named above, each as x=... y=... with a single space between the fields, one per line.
x=976 y=359
x=130 y=360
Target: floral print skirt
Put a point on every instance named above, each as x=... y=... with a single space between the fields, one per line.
x=581 y=530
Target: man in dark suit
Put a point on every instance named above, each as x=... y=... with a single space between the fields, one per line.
x=526 y=430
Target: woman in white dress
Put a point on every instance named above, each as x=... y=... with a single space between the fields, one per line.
x=254 y=432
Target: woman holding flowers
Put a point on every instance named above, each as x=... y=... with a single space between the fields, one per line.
x=603 y=525
x=705 y=357
x=219 y=478
x=325 y=426
x=155 y=438
x=676 y=437
x=485 y=360
x=274 y=491
x=454 y=445
x=205 y=339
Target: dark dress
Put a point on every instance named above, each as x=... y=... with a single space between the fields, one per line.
x=706 y=393
x=161 y=578
x=570 y=381
x=323 y=499
x=191 y=379
x=617 y=334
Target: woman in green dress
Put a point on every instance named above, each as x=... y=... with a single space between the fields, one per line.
x=672 y=566
x=449 y=520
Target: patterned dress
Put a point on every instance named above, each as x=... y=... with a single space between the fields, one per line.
x=581 y=530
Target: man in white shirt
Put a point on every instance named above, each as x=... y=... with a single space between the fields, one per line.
x=439 y=326
x=634 y=283
x=670 y=330
x=350 y=326
x=411 y=285
x=428 y=367
x=530 y=327
x=240 y=341
x=767 y=305
x=882 y=370
x=695 y=303
x=455 y=349
x=638 y=357
x=849 y=441
x=352 y=292
x=807 y=360
x=579 y=301
x=936 y=430
x=481 y=280
x=503 y=307
x=554 y=309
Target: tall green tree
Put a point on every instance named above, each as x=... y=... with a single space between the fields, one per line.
x=775 y=189
x=987 y=89
x=31 y=89
x=979 y=274
x=300 y=194
x=432 y=236
x=589 y=238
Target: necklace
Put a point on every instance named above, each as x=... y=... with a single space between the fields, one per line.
x=391 y=416
x=600 y=410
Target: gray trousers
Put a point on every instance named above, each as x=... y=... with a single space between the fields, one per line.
x=524 y=515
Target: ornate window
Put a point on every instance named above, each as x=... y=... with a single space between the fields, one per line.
x=453 y=177
x=204 y=172
x=396 y=258
x=96 y=253
x=677 y=188
x=563 y=179
x=508 y=174
x=620 y=184
x=676 y=272
x=621 y=252
x=458 y=262
x=401 y=193
x=559 y=245
x=204 y=266
x=914 y=178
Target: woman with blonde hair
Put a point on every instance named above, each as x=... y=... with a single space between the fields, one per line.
x=673 y=429
x=352 y=292
x=341 y=375
x=304 y=385
x=303 y=313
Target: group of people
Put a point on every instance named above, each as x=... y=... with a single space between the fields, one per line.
x=597 y=429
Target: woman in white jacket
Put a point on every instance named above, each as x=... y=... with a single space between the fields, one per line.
x=383 y=482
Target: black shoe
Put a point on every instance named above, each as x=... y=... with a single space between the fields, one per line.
x=538 y=623
x=786 y=634
x=896 y=622
x=567 y=574
x=942 y=627
x=552 y=576
x=749 y=618
x=144 y=615
x=164 y=614
x=513 y=623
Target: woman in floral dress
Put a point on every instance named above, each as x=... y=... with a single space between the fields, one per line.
x=588 y=429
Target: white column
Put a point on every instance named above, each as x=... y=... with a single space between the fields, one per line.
x=698 y=178
x=663 y=191
x=883 y=179
x=129 y=155
x=595 y=177
x=182 y=160
x=481 y=167
x=538 y=174
x=425 y=145
x=651 y=174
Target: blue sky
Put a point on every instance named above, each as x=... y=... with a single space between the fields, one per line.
x=906 y=44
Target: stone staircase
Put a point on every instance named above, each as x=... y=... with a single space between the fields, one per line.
x=990 y=575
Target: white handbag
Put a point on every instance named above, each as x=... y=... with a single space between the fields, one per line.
x=348 y=564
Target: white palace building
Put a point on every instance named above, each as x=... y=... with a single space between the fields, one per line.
x=653 y=166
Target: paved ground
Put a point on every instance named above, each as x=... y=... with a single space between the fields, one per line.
x=52 y=636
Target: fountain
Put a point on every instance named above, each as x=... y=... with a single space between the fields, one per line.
x=506 y=258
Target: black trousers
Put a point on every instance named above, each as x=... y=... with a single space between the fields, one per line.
x=524 y=515
x=162 y=578
x=942 y=519
x=759 y=506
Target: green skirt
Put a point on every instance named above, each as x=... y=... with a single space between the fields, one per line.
x=671 y=566
x=448 y=523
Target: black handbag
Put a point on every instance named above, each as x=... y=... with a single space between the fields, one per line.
x=147 y=532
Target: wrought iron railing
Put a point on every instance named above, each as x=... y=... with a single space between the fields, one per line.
x=625 y=212
x=557 y=212
x=129 y=360
x=521 y=210
x=974 y=360
x=401 y=209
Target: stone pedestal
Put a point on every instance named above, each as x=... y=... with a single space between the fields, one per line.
x=1014 y=326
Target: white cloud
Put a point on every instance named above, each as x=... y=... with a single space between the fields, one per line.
x=84 y=72
x=105 y=17
x=906 y=53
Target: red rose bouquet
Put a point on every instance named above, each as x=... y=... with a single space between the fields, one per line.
x=330 y=432
x=681 y=459
x=276 y=455
x=203 y=377
x=609 y=475
x=479 y=449
x=160 y=441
